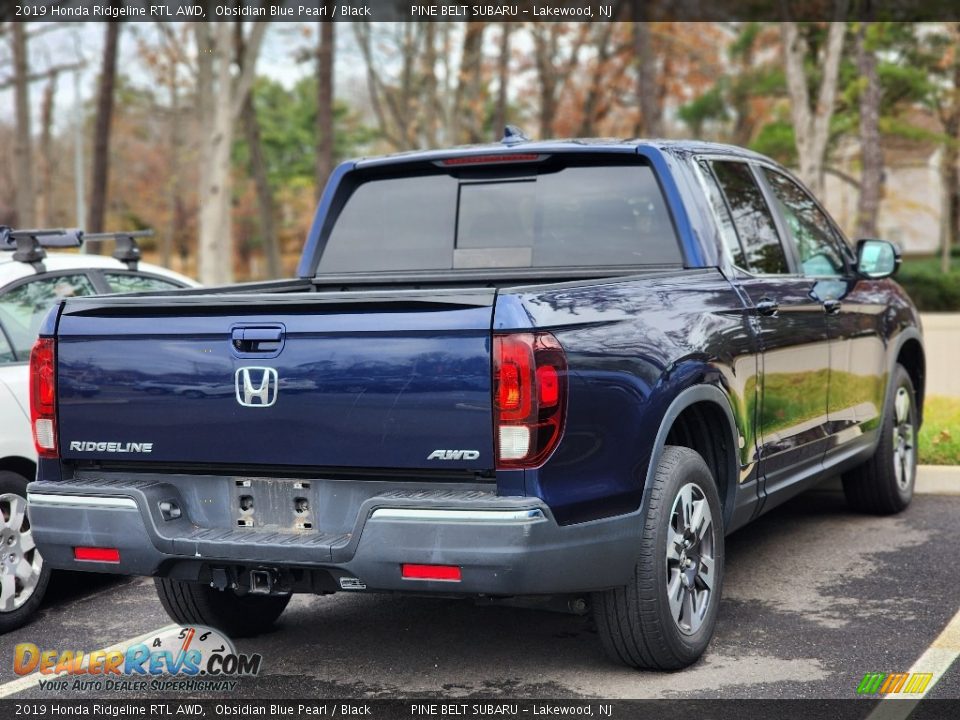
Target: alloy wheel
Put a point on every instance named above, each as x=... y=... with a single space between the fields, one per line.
x=20 y=562
x=690 y=559
x=904 y=440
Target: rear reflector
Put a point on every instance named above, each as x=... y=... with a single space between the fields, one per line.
x=447 y=573
x=96 y=554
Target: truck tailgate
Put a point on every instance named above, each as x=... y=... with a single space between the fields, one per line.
x=354 y=380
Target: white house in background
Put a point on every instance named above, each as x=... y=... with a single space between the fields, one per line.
x=911 y=207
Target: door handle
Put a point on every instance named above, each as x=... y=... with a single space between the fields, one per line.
x=768 y=307
x=257 y=339
x=831 y=307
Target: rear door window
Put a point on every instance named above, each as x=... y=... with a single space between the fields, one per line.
x=130 y=283
x=721 y=215
x=535 y=217
x=23 y=308
x=752 y=218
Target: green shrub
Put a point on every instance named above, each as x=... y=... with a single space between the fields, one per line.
x=930 y=289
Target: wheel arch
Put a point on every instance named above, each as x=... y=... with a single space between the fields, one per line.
x=20 y=465
x=691 y=421
x=910 y=354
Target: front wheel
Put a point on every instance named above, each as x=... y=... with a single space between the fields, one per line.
x=235 y=615
x=23 y=576
x=884 y=484
x=664 y=617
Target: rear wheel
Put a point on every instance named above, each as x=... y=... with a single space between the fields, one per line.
x=664 y=617
x=884 y=484
x=235 y=615
x=23 y=576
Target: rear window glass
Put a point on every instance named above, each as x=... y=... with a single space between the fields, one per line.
x=584 y=215
x=128 y=283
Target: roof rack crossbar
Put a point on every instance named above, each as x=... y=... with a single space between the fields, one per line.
x=29 y=244
x=127 y=250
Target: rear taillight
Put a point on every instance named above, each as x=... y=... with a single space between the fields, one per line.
x=43 y=397
x=530 y=397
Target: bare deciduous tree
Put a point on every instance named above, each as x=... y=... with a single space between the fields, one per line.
x=555 y=65
x=871 y=151
x=23 y=151
x=258 y=168
x=324 y=127
x=220 y=98
x=45 y=188
x=650 y=122
x=101 y=134
x=503 y=78
x=811 y=124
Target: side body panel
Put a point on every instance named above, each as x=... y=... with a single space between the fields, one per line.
x=632 y=347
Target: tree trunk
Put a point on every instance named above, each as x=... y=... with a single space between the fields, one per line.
x=468 y=104
x=325 y=61
x=503 y=77
x=45 y=189
x=598 y=80
x=650 y=122
x=258 y=167
x=949 y=173
x=811 y=126
x=176 y=131
x=22 y=150
x=101 y=141
x=224 y=100
x=871 y=152
x=950 y=181
x=545 y=45
x=215 y=252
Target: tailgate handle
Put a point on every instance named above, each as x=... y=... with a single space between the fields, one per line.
x=257 y=339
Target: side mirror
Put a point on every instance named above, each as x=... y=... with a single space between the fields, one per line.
x=877 y=259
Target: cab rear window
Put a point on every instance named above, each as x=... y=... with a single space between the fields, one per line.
x=527 y=217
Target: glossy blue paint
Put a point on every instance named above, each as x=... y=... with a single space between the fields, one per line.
x=377 y=389
x=311 y=250
x=378 y=379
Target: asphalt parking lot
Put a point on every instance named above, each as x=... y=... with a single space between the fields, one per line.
x=815 y=597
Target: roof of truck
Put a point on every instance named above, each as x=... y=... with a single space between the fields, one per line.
x=588 y=145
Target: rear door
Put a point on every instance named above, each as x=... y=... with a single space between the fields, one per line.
x=793 y=421
x=853 y=313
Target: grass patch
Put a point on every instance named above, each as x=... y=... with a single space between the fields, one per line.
x=940 y=434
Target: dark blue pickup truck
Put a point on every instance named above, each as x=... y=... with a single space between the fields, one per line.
x=524 y=369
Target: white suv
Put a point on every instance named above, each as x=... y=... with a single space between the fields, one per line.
x=30 y=282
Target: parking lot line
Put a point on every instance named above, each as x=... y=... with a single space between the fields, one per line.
x=936 y=660
x=28 y=682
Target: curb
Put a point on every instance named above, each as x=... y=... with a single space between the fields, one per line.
x=938 y=480
x=940 y=321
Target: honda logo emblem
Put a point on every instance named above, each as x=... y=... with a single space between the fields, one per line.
x=256 y=386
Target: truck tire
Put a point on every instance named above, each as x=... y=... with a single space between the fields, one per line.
x=235 y=615
x=664 y=617
x=884 y=484
x=23 y=575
